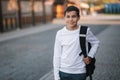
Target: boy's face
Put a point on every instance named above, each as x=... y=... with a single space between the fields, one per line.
x=71 y=19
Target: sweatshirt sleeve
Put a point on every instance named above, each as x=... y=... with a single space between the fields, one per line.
x=56 y=57
x=94 y=43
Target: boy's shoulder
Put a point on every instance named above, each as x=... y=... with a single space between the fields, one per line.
x=61 y=30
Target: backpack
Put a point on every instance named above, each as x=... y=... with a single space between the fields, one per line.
x=89 y=67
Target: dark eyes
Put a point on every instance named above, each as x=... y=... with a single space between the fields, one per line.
x=73 y=16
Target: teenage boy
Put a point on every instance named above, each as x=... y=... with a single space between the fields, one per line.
x=68 y=64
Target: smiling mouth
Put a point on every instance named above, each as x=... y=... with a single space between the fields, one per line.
x=71 y=23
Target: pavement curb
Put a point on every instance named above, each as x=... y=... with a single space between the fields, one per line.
x=27 y=31
x=48 y=76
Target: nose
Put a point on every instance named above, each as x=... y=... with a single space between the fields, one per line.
x=70 y=18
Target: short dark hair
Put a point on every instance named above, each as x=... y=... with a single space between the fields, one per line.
x=72 y=8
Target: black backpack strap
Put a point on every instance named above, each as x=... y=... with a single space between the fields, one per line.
x=82 y=39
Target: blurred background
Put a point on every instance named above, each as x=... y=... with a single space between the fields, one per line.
x=20 y=14
x=28 y=29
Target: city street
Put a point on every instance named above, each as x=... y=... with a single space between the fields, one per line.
x=108 y=57
x=29 y=57
x=28 y=29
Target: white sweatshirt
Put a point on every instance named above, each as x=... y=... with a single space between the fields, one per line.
x=66 y=51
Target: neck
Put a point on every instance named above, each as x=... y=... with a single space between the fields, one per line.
x=72 y=28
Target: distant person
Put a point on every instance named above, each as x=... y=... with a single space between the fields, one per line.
x=68 y=64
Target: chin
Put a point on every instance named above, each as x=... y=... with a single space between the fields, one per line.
x=72 y=25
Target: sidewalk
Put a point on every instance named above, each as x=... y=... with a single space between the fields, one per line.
x=26 y=31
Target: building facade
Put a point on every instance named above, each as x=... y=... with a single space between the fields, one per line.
x=24 y=13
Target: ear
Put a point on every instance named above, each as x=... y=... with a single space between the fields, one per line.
x=78 y=18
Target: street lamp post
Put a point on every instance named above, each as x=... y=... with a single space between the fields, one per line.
x=32 y=10
x=1 y=18
x=44 y=13
x=19 y=14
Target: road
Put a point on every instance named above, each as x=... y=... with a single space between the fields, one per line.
x=30 y=57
